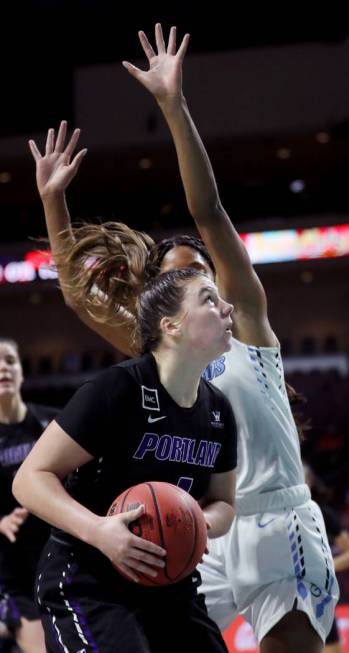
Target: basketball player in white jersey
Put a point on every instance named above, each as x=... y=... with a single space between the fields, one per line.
x=274 y=566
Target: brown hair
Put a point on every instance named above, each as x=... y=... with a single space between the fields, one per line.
x=297 y=401
x=161 y=297
x=106 y=265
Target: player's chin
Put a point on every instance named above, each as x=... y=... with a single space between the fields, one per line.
x=227 y=341
x=225 y=346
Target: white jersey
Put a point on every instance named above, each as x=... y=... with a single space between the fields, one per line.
x=268 y=445
x=275 y=557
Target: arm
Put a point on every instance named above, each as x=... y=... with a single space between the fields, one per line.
x=341 y=561
x=54 y=172
x=237 y=280
x=38 y=486
x=217 y=504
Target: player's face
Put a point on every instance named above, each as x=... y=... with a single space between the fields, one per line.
x=11 y=374
x=206 y=319
x=183 y=256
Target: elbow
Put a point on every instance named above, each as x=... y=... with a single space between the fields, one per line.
x=19 y=490
x=207 y=208
x=228 y=518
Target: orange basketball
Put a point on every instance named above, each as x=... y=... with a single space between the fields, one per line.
x=173 y=520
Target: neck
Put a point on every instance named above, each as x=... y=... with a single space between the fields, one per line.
x=180 y=377
x=12 y=409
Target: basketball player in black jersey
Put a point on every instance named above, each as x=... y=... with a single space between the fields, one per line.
x=150 y=418
x=22 y=536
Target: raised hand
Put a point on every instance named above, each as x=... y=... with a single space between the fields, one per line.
x=11 y=523
x=55 y=169
x=164 y=77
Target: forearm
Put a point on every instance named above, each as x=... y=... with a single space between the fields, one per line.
x=60 y=234
x=195 y=167
x=341 y=561
x=43 y=494
x=219 y=515
x=58 y=221
x=201 y=191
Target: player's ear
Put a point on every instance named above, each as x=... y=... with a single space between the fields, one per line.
x=170 y=326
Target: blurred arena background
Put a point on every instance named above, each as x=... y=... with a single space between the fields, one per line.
x=271 y=101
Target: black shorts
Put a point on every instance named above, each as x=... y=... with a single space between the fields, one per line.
x=333 y=635
x=86 y=607
x=17 y=582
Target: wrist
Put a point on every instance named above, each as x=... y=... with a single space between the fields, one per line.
x=91 y=534
x=52 y=196
x=172 y=103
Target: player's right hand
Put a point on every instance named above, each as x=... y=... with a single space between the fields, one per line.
x=127 y=551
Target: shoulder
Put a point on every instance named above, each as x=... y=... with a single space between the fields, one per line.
x=123 y=375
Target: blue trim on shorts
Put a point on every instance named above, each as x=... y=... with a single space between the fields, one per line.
x=297 y=553
x=320 y=607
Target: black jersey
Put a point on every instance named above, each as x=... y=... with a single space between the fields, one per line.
x=136 y=432
x=16 y=441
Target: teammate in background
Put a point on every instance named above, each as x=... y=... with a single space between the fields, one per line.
x=22 y=536
x=276 y=552
x=149 y=418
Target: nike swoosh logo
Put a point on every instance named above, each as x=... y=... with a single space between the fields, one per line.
x=260 y=525
x=155 y=419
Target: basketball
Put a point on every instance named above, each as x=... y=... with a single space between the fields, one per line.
x=173 y=520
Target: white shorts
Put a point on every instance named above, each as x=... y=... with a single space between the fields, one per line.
x=270 y=562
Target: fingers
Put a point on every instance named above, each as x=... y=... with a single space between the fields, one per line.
x=57 y=147
x=137 y=542
x=148 y=50
x=160 y=43
x=142 y=564
x=159 y=38
x=141 y=556
x=128 y=571
x=133 y=70
x=171 y=46
x=17 y=520
x=21 y=511
x=132 y=515
x=75 y=164
x=50 y=141
x=144 y=569
x=183 y=47
x=145 y=545
x=9 y=529
x=62 y=132
x=10 y=536
x=72 y=143
x=34 y=150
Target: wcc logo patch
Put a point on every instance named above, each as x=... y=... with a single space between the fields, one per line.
x=216 y=423
x=150 y=398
